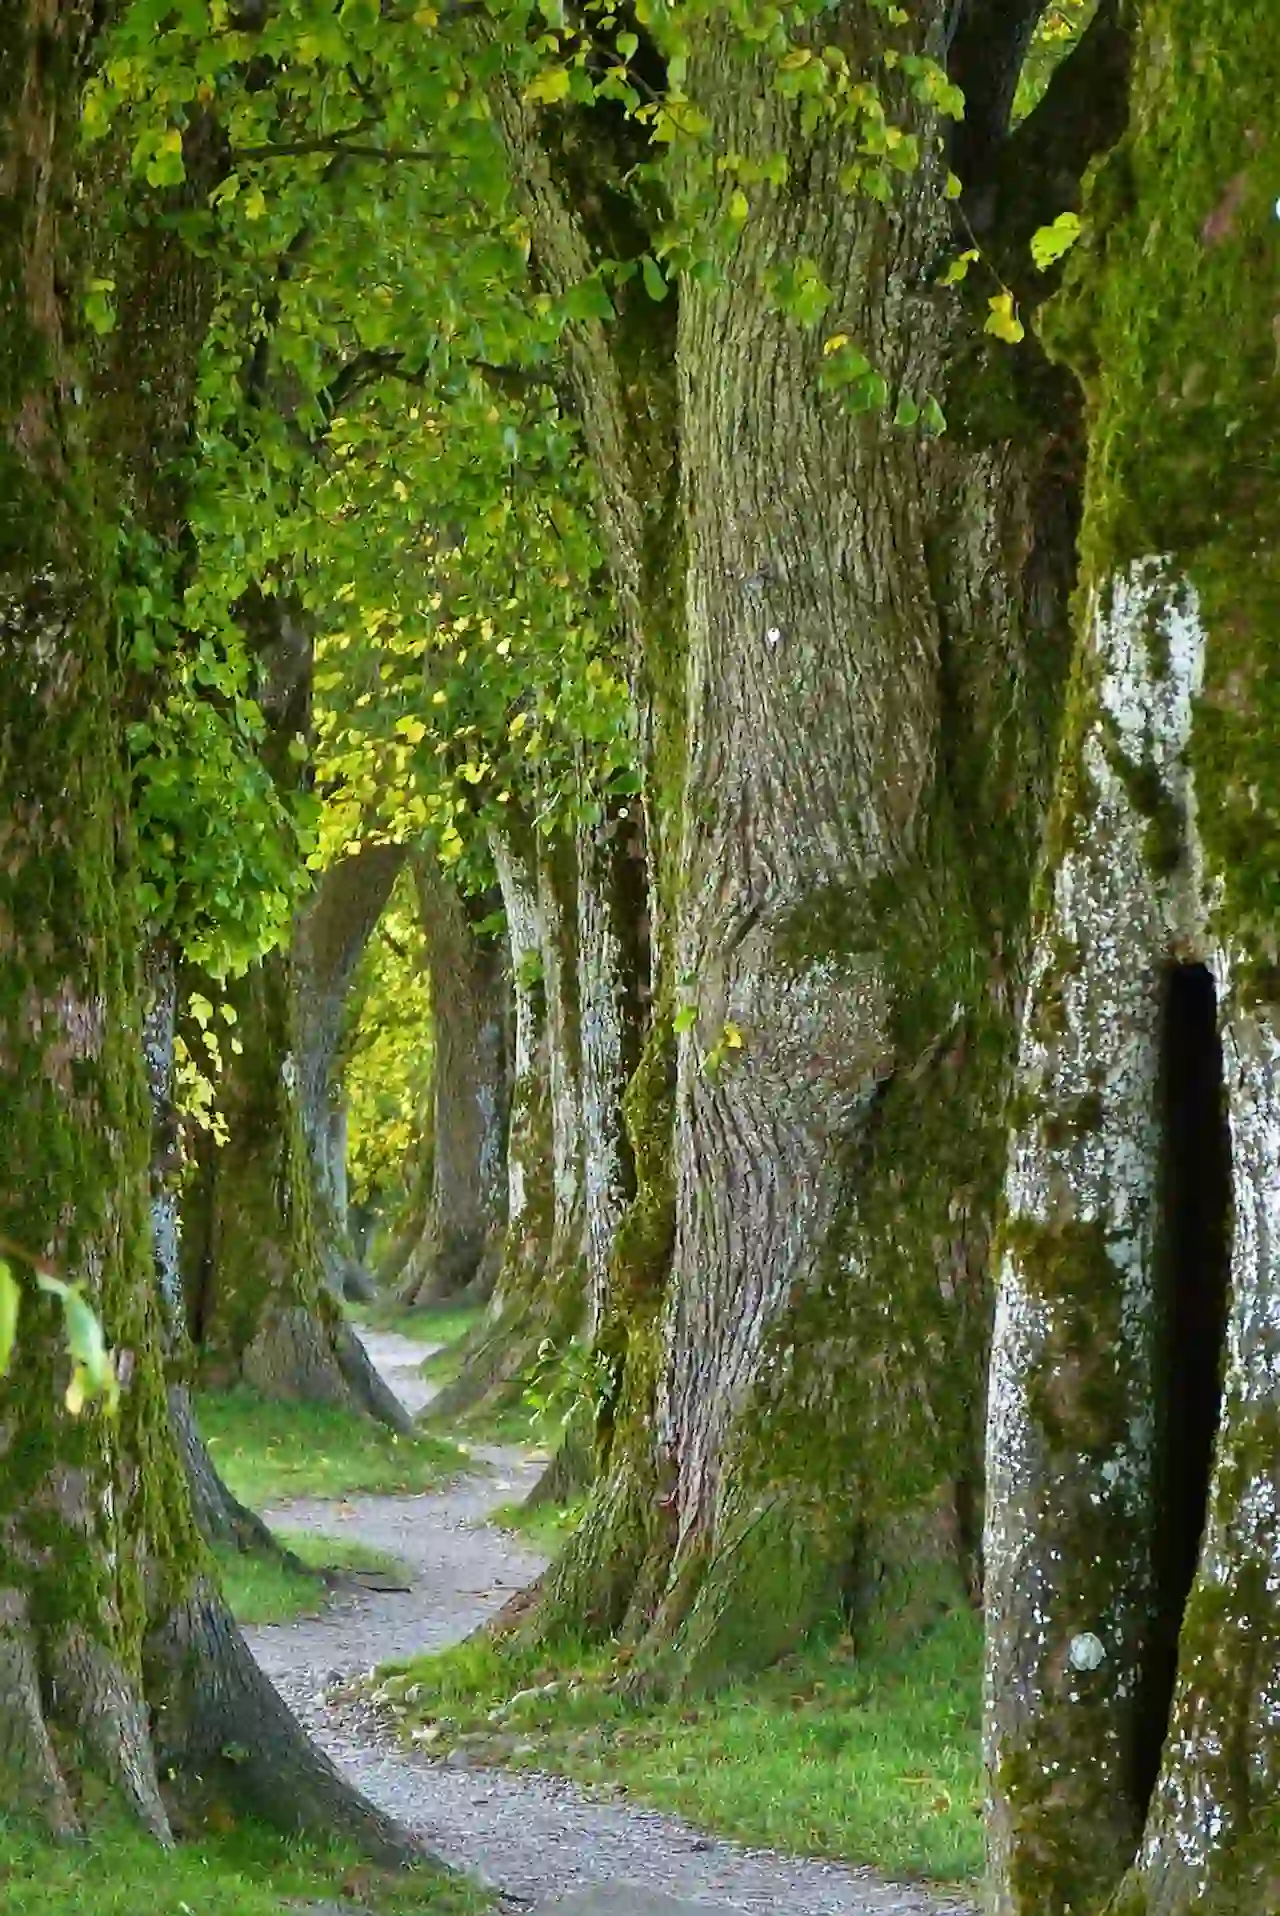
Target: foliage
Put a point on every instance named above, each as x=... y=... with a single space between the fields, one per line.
x=245 y=1871
x=387 y=1059
x=567 y=1378
x=870 y=1757
x=93 y=1369
x=268 y=1452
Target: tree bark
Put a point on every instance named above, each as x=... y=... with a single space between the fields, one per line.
x=1133 y=1549
x=460 y=1247
x=539 y=1294
x=122 y=1676
x=876 y=632
x=259 y=1308
x=219 y=1516
x=333 y=929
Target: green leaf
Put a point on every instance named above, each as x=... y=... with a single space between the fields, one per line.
x=932 y=416
x=546 y=89
x=685 y=1018
x=1050 y=243
x=654 y=283
x=959 y=267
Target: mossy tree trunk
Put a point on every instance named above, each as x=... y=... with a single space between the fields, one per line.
x=123 y=1681
x=1133 y=1542
x=460 y=1246
x=614 y=1002
x=259 y=1304
x=259 y=1308
x=539 y=1292
x=220 y=1517
x=875 y=633
x=333 y=929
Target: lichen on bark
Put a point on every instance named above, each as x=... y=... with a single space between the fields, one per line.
x=1161 y=857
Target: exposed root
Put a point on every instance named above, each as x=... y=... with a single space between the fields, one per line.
x=223 y=1735
x=220 y=1517
x=302 y=1355
x=90 y=1690
x=29 y=1769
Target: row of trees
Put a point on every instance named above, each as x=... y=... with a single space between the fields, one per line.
x=826 y=723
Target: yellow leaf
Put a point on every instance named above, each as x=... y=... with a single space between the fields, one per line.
x=1003 y=321
x=833 y=345
x=546 y=88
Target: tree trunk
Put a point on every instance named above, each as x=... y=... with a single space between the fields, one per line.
x=258 y=1306
x=614 y=995
x=876 y=634
x=460 y=1247
x=1133 y=1551
x=121 y=1672
x=219 y=1516
x=333 y=929
x=539 y=1292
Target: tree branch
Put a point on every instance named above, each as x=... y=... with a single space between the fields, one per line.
x=1043 y=162
x=988 y=48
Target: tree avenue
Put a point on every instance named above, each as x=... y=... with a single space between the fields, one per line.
x=760 y=522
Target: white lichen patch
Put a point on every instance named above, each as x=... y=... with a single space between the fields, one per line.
x=1071 y=1473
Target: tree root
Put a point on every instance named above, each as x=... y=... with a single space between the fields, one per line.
x=223 y=1735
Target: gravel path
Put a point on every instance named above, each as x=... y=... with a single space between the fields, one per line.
x=530 y=1836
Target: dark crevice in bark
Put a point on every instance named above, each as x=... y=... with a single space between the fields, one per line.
x=1193 y=1270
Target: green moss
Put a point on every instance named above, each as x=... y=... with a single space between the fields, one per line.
x=1169 y=313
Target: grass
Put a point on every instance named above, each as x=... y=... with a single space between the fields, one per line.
x=247 y=1872
x=268 y=1452
x=872 y=1758
x=547 y=1527
x=446 y=1325
x=261 y=1589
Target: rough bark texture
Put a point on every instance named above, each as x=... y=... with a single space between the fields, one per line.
x=1133 y=1527
x=460 y=1247
x=332 y=932
x=876 y=630
x=539 y=1289
x=613 y=1005
x=121 y=1671
x=258 y=1306
x=219 y=1516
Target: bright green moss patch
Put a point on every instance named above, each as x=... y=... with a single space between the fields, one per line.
x=267 y=1452
x=873 y=1758
x=263 y=1589
x=248 y=1872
